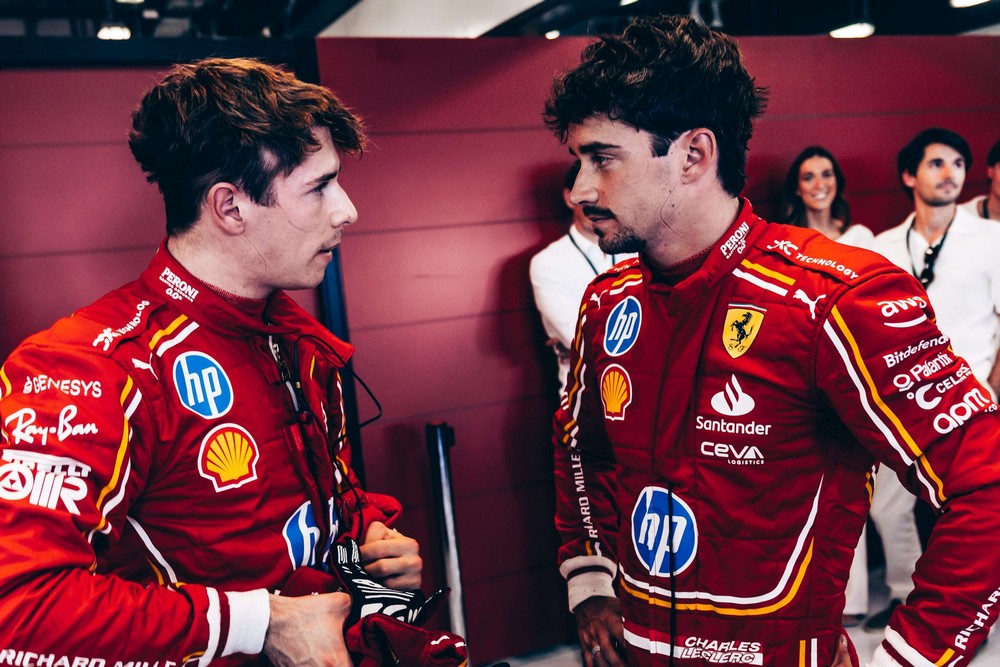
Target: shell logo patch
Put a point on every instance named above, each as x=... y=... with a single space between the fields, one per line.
x=741 y=328
x=616 y=392
x=228 y=457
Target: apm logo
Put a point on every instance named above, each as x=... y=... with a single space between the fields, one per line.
x=202 y=385
x=622 y=329
x=664 y=532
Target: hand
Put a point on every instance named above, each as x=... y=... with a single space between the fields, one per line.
x=842 y=658
x=391 y=557
x=308 y=631
x=599 y=625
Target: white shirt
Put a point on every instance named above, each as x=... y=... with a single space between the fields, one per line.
x=965 y=292
x=974 y=206
x=559 y=274
x=858 y=236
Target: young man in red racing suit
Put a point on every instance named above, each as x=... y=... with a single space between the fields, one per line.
x=732 y=389
x=173 y=452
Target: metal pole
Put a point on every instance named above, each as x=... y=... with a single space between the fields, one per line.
x=440 y=438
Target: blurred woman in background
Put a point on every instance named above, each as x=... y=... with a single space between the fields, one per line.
x=814 y=198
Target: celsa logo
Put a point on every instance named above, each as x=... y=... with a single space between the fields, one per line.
x=302 y=535
x=731 y=401
x=664 y=532
x=912 y=309
x=202 y=385
x=972 y=403
x=623 y=325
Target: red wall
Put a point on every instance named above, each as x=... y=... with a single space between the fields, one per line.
x=457 y=192
x=77 y=216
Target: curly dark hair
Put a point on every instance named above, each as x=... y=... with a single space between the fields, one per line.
x=665 y=75
x=793 y=211
x=235 y=120
x=908 y=160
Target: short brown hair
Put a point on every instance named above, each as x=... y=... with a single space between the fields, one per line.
x=665 y=75
x=235 y=120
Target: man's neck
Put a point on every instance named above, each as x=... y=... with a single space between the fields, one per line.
x=694 y=232
x=932 y=222
x=823 y=222
x=204 y=260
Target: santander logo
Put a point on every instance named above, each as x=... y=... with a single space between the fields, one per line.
x=731 y=401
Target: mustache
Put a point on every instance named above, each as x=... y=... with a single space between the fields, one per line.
x=598 y=212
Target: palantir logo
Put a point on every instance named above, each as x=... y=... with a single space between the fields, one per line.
x=731 y=401
x=622 y=328
x=202 y=385
x=656 y=511
x=302 y=535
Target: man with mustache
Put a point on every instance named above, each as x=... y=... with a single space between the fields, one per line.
x=732 y=388
x=954 y=255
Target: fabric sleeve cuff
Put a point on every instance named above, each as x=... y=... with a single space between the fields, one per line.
x=587 y=585
x=249 y=615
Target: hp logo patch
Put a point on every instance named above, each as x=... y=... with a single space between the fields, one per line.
x=651 y=519
x=622 y=327
x=202 y=385
x=302 y=534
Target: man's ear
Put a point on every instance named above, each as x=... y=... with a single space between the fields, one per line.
x=223 y=202
x=701 y=154
x=909 y=180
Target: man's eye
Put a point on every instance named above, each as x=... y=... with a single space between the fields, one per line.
x=319 y=188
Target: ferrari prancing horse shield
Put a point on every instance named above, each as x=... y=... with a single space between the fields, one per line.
x=742 y=325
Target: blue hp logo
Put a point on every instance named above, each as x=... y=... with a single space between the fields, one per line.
x=202 y=385
x=651 y=520
x=622 y=328
x=302 y=534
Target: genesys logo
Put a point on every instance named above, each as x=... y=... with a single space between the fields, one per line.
x=664 y=532
x=903 y=313
x=52 y=482
x=732 y=401
x=39 y=384
x=622 y=328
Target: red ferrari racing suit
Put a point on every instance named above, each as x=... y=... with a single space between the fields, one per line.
x=167 y=459
x=716 y=448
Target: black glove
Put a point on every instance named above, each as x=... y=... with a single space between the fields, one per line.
x=370 y=597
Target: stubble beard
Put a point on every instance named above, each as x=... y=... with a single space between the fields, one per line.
x=625 y=241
